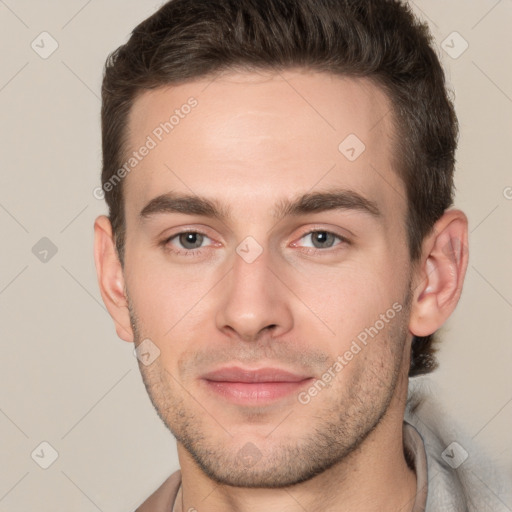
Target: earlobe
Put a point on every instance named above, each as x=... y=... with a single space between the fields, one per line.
x=110 y=277
x=440 y=275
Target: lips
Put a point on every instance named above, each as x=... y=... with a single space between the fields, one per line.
x=236 y=374
x=253 y=387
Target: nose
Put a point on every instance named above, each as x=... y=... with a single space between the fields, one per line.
x=254 y=302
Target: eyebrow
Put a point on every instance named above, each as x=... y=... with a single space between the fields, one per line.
x=313 y=202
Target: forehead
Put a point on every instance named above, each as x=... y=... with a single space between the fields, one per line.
x=252 y=137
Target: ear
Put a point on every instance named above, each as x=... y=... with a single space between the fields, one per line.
x=111 y=278
x=440 y=274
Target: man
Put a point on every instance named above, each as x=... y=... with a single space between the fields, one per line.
x=281 y=250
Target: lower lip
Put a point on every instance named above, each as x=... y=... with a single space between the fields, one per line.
x=255 y=393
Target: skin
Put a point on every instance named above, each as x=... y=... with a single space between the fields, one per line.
x=253 y=141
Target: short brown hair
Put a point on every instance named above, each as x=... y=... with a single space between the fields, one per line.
x=378 y=39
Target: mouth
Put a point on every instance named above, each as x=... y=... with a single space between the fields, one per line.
x=256 y=387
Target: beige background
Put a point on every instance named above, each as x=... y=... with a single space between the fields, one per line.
x=66 y=378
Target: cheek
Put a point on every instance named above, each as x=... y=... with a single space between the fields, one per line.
x=347 y=298
x=175 y=308
x=162 y=298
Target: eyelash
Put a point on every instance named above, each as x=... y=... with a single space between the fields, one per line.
x=199 y=251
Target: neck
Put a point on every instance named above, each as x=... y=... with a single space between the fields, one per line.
x=374 y=477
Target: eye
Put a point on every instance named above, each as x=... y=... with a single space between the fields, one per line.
x=321 y=239
x=186 y=242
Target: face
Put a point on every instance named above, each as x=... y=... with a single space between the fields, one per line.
x=266 y=260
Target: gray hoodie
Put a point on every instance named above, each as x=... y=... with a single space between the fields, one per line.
x=458 y=477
